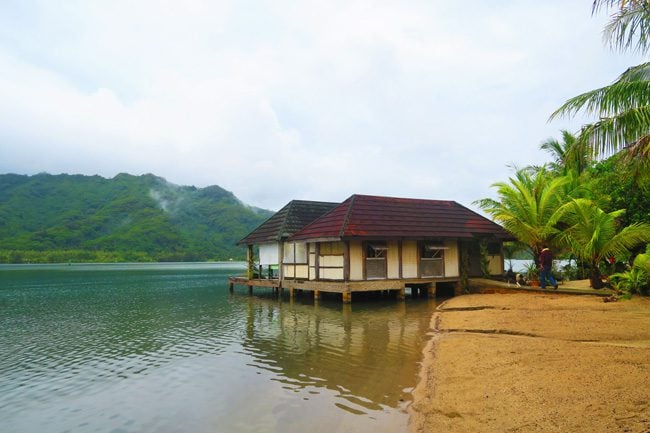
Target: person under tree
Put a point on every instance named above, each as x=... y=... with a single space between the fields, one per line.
x=546 y=263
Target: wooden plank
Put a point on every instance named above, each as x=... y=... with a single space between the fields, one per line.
x=340 y=286
x=242 y=281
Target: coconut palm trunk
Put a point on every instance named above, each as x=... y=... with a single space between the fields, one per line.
x=595 y=277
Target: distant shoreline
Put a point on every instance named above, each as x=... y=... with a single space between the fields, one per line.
x=235 y=264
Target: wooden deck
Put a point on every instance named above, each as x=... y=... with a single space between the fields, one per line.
x=345 y=288
x=421 y=285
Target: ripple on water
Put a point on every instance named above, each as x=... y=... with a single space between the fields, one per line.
x=69 y=334
x=140 y=351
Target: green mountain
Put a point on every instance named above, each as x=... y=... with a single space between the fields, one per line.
x=55 y=218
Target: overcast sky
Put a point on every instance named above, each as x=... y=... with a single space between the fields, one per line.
x=278 y=100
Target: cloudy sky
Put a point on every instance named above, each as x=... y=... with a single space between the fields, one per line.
x=275 y=100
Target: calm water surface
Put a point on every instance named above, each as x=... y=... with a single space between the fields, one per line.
x=166 y=348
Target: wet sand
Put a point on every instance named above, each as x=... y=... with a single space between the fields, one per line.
x=535 y=363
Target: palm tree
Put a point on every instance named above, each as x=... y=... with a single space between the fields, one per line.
x=593 y=234
x=629 y=27
x=623 y=108
x=569 y=155
x=527 y=206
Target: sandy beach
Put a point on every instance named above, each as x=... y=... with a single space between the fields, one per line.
x=535 y=363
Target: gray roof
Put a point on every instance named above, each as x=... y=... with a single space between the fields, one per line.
x=287 y=221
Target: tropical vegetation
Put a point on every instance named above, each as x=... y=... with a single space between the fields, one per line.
x=592 y=202
x=593 y=235
x=637 y=279
x=527 y=206
x=61 y=218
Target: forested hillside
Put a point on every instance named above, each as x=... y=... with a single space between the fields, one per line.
x=58 y=218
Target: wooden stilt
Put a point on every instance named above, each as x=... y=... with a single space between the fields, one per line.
x=231 y=287
x=316 y=295
x=346 y=297
x=250 y=290
x=431 y=290
x=401 y=295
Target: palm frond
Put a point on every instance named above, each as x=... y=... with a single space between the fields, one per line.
x=526 y=204
x=628 y=238
x=593 y=234
x=607 y=101
x=629 y=26
x=611 y=134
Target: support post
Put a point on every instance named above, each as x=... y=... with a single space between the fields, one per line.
x=399 y=259
x=280 y=261
x=317 y=261
x=250 y=290
x=231 y=287
x=346 y=297
x=250 y=259
x=431 y=290
x=316 y=295
x=401 y=294
x=346 y=261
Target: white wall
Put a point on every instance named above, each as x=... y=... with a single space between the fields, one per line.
x=410 y=259
x=269 y=254
x=452 y=261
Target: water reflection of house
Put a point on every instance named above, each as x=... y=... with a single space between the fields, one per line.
x=371 y=243
x=369 y=357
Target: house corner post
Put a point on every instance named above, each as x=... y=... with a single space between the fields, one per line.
x=281 y=262
x=250 y=259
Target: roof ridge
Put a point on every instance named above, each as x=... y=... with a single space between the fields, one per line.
x=283 y=226
x=314 y=201
x=347 y=215
x=412 y=199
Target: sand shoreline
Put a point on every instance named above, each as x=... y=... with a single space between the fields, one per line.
x=535 y=363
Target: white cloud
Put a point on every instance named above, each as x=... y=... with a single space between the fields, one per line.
x=278 y=100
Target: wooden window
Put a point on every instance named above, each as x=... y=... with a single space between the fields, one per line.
x=432 y=260
x=376 y=260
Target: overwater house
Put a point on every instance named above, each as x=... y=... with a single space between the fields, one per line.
x=372 y=243
x=271 y=236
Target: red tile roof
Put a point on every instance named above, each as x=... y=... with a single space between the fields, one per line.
x=374 y=217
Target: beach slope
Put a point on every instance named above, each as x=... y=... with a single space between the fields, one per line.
x=535 y=363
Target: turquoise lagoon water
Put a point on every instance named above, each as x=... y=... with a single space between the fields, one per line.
x=166 y=348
